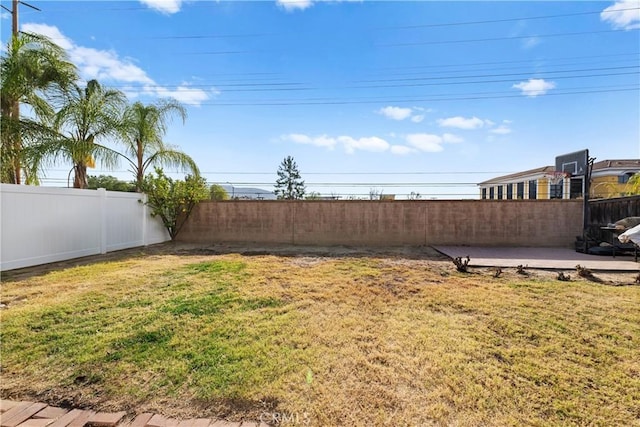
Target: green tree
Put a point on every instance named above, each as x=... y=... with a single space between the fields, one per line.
x=88 y=116
x=143 y=128
x=172 y=200
x=110 y=183
x=314 y=195
x=633 y=185
x=33 y=71
x=289 y=185
x=217 y=192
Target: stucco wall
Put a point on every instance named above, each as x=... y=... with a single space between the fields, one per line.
x=388 y=223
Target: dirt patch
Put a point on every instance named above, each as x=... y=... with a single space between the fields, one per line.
x=408 y=257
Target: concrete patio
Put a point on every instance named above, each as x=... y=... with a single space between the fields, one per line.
x=542 y=258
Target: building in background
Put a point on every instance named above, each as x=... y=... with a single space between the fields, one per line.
x=609 y=178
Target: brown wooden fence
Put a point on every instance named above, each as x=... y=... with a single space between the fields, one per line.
x=606 y=211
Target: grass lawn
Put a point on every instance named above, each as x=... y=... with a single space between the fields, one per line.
x=344 y=341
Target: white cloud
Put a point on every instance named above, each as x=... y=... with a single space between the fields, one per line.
x=5 y=15
x=350 y=144
x=402 y=113
x=396 y=113
x=463 y=123
x=107 y=66
x=49 y=31
x=414 y=143
x=501 y=130
x=165 y=6
x=628 y=19
x=319 y=141
x=425 y=142
x=451 y=138
x=372 y=143
x=182 y=93
x=530 y=42
x=402 y=150
x=290 y=5
x=534 y=87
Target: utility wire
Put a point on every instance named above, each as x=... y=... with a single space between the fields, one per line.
x=461 y=98
x=432 y=42
x=317 y=173
x=475 y=76
x=278 y=86
x=492 y=21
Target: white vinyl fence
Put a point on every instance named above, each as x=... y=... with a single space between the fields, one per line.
x=42 y=224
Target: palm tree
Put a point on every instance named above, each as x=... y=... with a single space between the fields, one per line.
x=33 y=70
x=87 y=116
x=143 y=128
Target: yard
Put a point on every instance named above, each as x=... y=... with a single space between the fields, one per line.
x=350 y=340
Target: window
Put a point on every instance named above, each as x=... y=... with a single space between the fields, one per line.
x=533 y=189
x=575 y=190
x=500 y=192
x=491 y=193
x=623 y=179
x=484 y=193
x=520 y=190
x=509 y=191
x=555 y=191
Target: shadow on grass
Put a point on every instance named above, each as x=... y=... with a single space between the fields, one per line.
x=250 y=249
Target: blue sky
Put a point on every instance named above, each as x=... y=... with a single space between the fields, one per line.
x=432 y=96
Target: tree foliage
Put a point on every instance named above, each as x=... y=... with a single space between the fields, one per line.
x=633 y=185
x=217 y=192
x=72 y=122
x=33 y=72
x=173 y=200
x=289 y=185
x=110 y=183
x=88 y=116
x=314 y=195
x=143 y=128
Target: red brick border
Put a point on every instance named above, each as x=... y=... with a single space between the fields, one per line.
x=34 y=414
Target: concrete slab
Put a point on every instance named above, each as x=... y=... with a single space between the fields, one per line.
x=543 y=258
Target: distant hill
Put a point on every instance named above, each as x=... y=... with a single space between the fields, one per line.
x=248 y=193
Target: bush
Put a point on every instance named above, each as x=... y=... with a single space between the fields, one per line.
x=172 y=200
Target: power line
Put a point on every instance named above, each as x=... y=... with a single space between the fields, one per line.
x=475 y=76
x=530 y=68
x=484 y=81
x=378 y=99
x=462 y=98
x=278 y=86
x=319 y=173
x=512 y=61
x=491 y=21
x=431 y=42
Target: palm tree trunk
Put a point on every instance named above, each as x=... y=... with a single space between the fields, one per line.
x=139 y=170
x=80 y=177
x=17 y=144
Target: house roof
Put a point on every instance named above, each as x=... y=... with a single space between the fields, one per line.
x=601 y=166
x=617 y=164
x=519 y=175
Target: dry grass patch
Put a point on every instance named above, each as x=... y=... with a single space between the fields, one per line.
x=333 y=341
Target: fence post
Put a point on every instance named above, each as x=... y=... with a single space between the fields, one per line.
x=102 y=194
x=145 y=221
